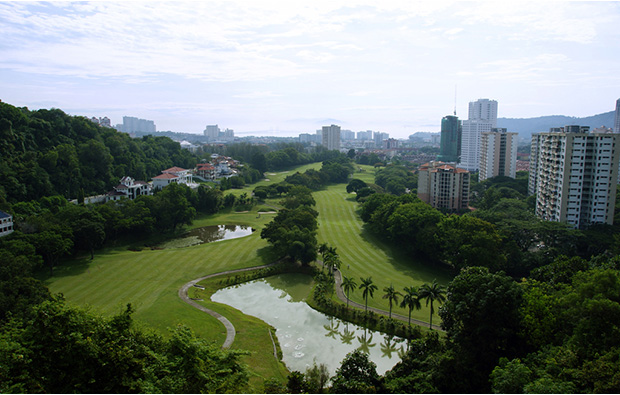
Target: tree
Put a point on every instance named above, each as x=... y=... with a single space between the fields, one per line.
x=348 y=285
x=411 y=300
x=391 y=295
x=355 y=185
x=433 y=292
x=368 y=289
x=316 y=377
x=357 y=374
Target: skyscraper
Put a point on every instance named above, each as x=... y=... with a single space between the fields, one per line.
x=617 y=118
x=331 y=137
x=498 y=154
x=573 y=173
x=450 y=145
x=482 y=118
x=212 y=132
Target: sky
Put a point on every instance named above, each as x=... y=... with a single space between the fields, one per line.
x=287 y=67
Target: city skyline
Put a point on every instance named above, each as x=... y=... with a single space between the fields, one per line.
x=285 y=69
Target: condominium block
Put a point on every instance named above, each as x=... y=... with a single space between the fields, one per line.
x=573 y=173
x=443 y=186
x=450 y=145
x=482 y=118
x=331 y=137
x=498 y=154
x=617 y=117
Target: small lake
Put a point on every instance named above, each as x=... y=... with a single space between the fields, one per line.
x=305 y=334
x=208 y=234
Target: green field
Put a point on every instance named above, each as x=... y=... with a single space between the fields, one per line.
x=150 y=279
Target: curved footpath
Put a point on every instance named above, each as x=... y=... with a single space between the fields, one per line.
x=230 y=329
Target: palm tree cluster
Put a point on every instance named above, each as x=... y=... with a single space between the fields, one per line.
x=411 y=297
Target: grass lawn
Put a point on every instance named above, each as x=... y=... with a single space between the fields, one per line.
x=150 y=279
x=363 y=254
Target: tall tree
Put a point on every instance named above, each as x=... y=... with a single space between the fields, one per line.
x=368 y=289
x=391 y=295
x=433 y=292
x=348 y=285
x=411 y=300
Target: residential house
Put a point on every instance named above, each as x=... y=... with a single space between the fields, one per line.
x=6 y=224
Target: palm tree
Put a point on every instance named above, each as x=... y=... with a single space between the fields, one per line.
x=391 y=295
x=348 y=285
x=433 y=292
x=411 y=300
x=368 y=289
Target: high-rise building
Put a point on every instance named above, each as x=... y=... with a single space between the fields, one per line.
x=212 y=132
x=366 y=136
x=331 y=137
x=450 y=145
x=482 y=118
x=498 y=154
x=443 y=186
x=347 y=135
x=573 y=173
x=132 y=124
x=380 y=137
x=617 y=118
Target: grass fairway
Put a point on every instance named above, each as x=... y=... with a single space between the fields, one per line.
x=150 y=281
x=363 y=255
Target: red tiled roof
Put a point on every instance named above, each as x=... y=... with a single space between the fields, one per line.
x=165 y=176
x=173 y=169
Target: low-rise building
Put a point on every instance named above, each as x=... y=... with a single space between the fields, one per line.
x=173 y=174
x=6 y=224
x=130 y=189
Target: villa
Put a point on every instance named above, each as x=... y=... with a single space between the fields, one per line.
x=129 y=189
x=173 y=175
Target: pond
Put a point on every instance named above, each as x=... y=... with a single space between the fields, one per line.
x=305 y=334
x=208 y=234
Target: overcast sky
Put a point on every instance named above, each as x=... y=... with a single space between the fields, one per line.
x=289 y=67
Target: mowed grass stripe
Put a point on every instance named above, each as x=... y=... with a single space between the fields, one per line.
x=362 y=255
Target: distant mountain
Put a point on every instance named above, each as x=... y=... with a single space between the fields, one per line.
x=526 y=126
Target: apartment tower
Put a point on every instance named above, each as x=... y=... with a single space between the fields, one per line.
x=498 y=154
x=573 y=173
x=617 y=117
x=482 y=118
x=443 y=186
x=331 y=137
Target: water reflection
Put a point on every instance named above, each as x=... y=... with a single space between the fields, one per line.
x=208 y=234
x=305 y=334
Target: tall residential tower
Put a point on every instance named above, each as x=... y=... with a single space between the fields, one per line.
x=573 y=173
x=331 y=137
x=450 y=145
x=482 y=118
x=498 y=154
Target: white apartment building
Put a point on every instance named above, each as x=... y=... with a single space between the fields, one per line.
x=331 y=137
x=573 y=173
x=443 y=186
x=6 y=224
x=617 y=117
x=498 y=154
x=482 y=118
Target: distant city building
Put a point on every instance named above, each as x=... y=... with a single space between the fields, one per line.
x=6 y=224
x=390 y=144
x=307 y=138
x=228 y=135
x=498 y=154
x=450 y=144
x=212 y=132
x=443 y=186
x=380 y=137
x=482 y=118
x=132 y=124
x=105 y=121
x=574 y=174
x=364 y=136
x=331 y=137
x=617 y=118
x=347 y=135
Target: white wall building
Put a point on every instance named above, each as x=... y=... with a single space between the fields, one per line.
x=617 y=117
x=443 y=186
x=6 y=224
x=482 y=118
x=331 y=137
x=173 y=174
x=498 y=154
x=573 y=173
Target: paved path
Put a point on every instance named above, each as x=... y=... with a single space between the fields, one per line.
x=343 y=297
x=230 y=329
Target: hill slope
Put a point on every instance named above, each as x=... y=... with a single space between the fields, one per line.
x=526 y=126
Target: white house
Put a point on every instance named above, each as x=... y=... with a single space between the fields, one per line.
x=6 y=224
x=129 y=188
x=173 y=174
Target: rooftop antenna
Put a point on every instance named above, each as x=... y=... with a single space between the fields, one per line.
x=454 y=99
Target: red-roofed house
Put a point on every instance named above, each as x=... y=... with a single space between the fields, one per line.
x=205 y=170
x=443 y=186
x=173 y=174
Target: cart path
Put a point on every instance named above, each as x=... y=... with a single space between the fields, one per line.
x=230 y=329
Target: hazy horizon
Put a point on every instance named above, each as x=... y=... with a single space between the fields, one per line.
x=286 y=67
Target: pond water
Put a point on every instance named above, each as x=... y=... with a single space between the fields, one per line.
x=305 y=334
x=208 y=234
